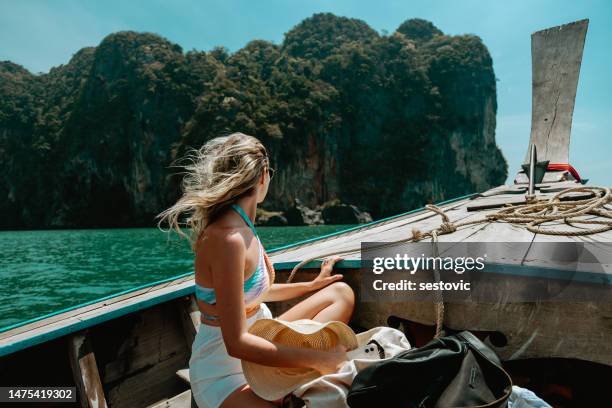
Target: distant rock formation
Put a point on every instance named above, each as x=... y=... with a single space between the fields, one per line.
x=339 y=213
x=383 y=122
x=270 y=218
x=299 y=214
x=331 y=212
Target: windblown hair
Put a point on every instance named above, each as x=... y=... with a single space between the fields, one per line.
x=218 y=174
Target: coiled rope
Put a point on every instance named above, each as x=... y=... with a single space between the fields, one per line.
x=532 y=215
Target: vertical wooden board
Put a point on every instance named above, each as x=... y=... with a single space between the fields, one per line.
x=154 y=335
x=190 y=318
x=85 y=371
x=148 y=387
x=556 y=58
x=141 y=356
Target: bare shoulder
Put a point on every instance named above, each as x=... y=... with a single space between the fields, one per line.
x=219 y=239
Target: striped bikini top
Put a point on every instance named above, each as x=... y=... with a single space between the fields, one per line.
x=255 y=285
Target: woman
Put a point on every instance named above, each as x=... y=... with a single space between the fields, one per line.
x=226 y=180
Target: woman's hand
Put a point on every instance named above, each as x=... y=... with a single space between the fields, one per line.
x=331 y=360
x=325 y=277
x=285 y=291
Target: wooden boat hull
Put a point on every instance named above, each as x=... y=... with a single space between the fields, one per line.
x=137 y=355
x=134 y=344
x=578 y=330
x=569 y=328
x=125 y=350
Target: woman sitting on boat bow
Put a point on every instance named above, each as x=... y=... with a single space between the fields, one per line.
x=226 y=180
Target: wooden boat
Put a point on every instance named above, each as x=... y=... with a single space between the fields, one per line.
x=132 y=349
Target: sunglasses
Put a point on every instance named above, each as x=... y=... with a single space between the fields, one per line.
x=271 y=171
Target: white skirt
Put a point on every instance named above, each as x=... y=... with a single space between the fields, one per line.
x=213 y=373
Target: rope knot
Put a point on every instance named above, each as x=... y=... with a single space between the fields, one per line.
x=437 y=210
x=416 y=235
x=447 y=228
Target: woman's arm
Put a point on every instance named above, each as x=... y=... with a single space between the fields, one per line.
x=285 y=291
x=228 y=277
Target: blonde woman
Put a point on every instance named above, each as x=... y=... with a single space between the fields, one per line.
x=225 y=181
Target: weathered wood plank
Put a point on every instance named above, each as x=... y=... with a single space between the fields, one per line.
x=103 y=311
x=156 y=336
x=140 y=293
x=143 y=390
x=551 y=329
x=140 y=368
x=190 y=318
x=425 y=220
x=556 y=58
x=183 y=374
x=183 y=400
x=85 y=371
x=501 y=201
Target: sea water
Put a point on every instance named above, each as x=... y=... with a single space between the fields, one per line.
x=46 y=271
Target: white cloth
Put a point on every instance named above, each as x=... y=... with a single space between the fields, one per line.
x=524 y=398
x=330 y=390
x=213 y=373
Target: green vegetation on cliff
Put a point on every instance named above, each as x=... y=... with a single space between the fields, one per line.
x=384 y=122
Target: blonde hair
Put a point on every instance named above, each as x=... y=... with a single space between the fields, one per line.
x=221 y=171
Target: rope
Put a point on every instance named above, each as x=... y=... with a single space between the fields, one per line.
x=438 y=298
x=553 y=209
x=533 y=214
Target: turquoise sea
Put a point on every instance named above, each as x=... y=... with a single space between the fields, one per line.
x=46 y=271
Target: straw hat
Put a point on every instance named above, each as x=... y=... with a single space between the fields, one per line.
x=272 y=383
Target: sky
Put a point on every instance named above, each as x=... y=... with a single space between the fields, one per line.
x=43 y=34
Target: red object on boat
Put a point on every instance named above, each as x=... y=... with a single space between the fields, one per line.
x=564 y=166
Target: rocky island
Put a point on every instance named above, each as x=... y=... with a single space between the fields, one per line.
x=359 y=124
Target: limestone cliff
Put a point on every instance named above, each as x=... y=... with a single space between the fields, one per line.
x=383 y=122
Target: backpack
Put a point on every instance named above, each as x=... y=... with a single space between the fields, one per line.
x=451 y=371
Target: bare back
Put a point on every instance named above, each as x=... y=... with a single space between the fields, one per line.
x=228 y=223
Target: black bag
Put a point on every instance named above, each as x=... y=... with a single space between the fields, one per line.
x=451 y=371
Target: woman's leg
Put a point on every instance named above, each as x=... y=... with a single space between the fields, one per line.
x=245 y=397
x=333 y=302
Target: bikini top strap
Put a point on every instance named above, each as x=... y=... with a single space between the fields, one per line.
x=245 y=217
